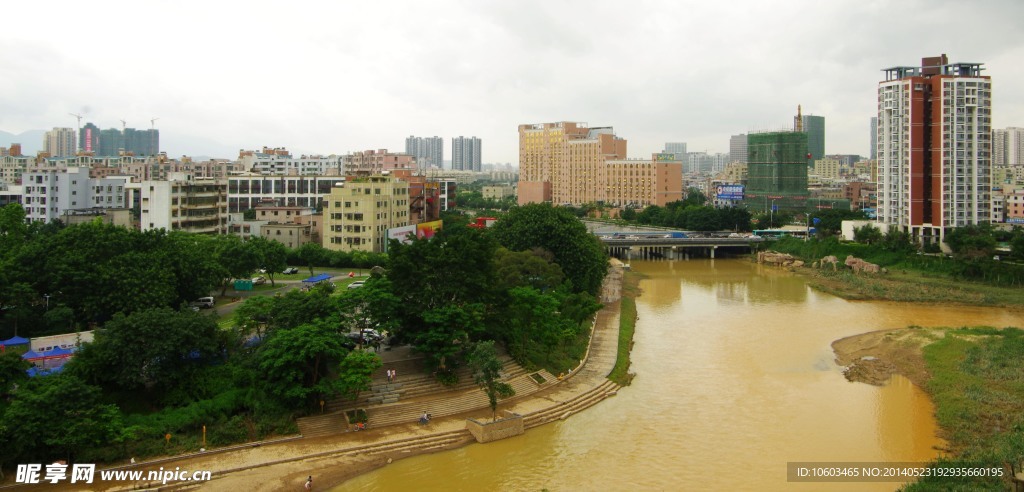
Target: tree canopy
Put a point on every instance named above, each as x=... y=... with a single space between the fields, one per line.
x=579 y=254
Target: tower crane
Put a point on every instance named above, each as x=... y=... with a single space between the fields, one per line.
x=78 y=136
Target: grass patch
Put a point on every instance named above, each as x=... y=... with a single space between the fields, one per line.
x=627 y=326
x=978 y=387
x=912 y=286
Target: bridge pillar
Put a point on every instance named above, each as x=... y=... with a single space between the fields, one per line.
x=713 y=248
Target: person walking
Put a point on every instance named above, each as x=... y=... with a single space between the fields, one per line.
x=309 y=483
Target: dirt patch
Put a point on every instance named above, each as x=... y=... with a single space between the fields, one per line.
x=874 y=357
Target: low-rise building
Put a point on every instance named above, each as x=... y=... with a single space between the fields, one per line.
x=359 y=213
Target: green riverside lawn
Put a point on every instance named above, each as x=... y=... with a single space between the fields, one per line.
x=977 y=384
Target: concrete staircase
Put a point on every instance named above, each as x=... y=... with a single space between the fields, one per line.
x=322 y=425
x=566 y=408
x=415 y=386
x=465 y=401
x=418 y=394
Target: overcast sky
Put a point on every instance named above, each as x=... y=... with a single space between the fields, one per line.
x=334 y=77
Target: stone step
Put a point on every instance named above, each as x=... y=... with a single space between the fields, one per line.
x=322 y=425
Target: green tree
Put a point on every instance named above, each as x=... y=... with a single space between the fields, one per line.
x=355 y=373
x=867 y=234
x=312 y=254
x=702 y=219
x=12 y=371
x=454 y=268
x=57 y=414
x=580 y=255
x=272 y=255
x=159 y=348
x=487 y=374
x=236 y=258
x=13 y=229
x=298 y=363
x=974 y=242
x=533 y=268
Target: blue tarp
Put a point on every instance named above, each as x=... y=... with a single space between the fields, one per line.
x=31 y=354
x=57 y=352
x=317 y=278
x=14 y=341
x=35 y=371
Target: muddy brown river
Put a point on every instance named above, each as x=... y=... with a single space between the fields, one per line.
x=735 y=378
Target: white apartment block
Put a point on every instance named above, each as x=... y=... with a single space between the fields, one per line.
x=281 y=163
x=1008 y=146
x=184 y=203
x=48 y=194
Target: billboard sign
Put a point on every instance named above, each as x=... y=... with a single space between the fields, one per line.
x=402 y=234
x=665 y=156
x=729 y=192
x=427 y=230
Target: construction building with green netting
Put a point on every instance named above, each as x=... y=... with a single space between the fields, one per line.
x=776 y=172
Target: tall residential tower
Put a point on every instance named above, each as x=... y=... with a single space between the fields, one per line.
x=934 y=147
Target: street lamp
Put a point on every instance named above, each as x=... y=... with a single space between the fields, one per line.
x=47 y=296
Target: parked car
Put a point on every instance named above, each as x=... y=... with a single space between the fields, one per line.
x=357 y=284
x=203 y=302
x=259 y=280
x=290 y=271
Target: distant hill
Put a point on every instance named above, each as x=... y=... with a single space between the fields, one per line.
x=31 y=141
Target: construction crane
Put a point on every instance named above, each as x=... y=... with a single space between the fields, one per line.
x=124 y=125
x=78 y=136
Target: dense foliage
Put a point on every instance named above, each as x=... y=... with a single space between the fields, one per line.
x=158 y=369
x=579 y=254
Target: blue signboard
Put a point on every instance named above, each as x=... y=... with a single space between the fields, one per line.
x=729 y=192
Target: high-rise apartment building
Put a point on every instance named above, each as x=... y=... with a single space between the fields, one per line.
x=1008 y=147
x=60 y=142
x=114 y=142
x=567 y=163
x=466 y=154
x=738 y=148
x=428 y=151
x=874 y=138
x=89 y=138
x=934 y=147
x=776 y=170
x=814 y=127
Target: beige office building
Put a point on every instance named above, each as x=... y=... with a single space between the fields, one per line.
x=568 y=163
x=360 y=212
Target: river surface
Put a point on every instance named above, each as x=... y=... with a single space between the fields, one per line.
x=735 y=378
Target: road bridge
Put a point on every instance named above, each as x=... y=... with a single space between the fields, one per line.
x=638 y=246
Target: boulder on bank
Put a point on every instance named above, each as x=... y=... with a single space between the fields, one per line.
x=858 y=265
x=776 y=258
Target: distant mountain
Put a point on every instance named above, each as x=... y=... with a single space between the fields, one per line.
x=31 y=141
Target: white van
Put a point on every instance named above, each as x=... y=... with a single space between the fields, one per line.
x=203 y=302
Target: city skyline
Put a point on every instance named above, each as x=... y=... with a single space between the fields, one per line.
x=683 y=72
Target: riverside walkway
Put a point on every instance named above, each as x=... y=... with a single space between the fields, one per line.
x=330 y=453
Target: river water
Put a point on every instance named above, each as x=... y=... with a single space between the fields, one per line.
x=735 y=378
